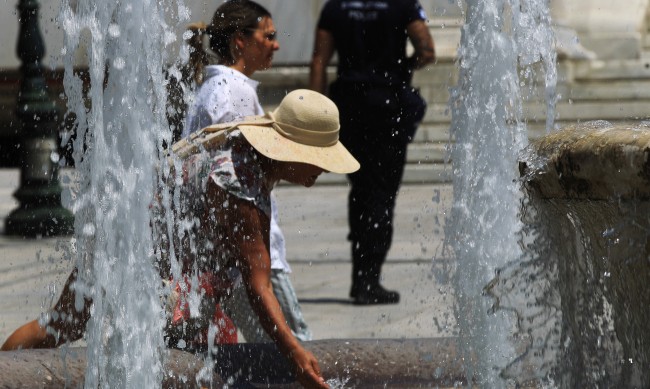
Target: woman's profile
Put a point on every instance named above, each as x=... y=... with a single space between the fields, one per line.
x=243 y=38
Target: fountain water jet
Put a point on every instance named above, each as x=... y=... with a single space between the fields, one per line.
x=119 y=143
x=499 y=38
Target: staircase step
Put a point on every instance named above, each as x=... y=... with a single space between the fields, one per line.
x=612 y=70
x=436 y=126
x=437 y=119
x=413 y=174
x=446 y=32
x=612 y=110
x=426 y=153
x=429 y=132
x=613 y=90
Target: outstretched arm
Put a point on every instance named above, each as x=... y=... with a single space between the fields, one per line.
x=323 y=52
x=30 y=335
x=66 y=325
x=249 y=234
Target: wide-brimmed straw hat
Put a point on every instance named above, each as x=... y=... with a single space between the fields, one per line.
x=303 y=128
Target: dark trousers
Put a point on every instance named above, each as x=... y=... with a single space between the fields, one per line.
x=377 y=123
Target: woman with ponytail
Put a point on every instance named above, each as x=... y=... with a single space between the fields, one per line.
x=243 y=38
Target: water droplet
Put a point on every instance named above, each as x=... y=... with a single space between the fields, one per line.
x=119 y=63
x=89 y=229
x=114 y=30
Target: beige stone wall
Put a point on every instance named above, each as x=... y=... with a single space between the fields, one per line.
x=613 y=30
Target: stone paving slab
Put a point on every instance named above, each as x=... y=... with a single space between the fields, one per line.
x=425 y=309
x=314 y=222
x=32 y=271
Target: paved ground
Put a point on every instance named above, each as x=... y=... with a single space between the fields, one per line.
x=313 y=220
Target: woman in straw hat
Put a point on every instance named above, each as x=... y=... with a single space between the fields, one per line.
x=244 y=39
x=226 y=174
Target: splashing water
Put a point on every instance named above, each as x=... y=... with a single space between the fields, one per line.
x=119 y=142
x=338 y=383
x=501 y=41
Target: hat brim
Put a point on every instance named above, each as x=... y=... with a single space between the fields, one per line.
x=335 y=158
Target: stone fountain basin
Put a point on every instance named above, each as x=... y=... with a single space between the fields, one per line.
x=591 y=161
x=393 y=363
x=590 y=184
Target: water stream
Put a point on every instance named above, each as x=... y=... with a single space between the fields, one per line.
x=118 y=145
x=502 y=43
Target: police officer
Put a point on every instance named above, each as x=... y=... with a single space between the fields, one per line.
x=380 y=112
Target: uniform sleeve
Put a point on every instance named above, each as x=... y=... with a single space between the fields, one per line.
x=413 y=11
x=326 y=20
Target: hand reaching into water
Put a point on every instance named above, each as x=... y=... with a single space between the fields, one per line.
x=307 y=369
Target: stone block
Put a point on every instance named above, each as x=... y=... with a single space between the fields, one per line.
x=595 y=160
x=614 y=45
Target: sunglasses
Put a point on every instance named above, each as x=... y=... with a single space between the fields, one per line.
x=271 y=36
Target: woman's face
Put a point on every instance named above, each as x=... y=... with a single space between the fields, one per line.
x=301 y=173
x=260 y=45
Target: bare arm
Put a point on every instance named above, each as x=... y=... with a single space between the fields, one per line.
x=251 y=241
x=69 y=325
x=323 y=52
x=425 y=52
x=30 y=335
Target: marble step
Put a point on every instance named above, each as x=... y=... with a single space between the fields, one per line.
x=634 y=89
x=612 y=70
x=611 y=109
x=427 y=152
x=414 y=174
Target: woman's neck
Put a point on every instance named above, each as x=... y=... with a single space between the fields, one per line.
x=272 y=173
x=241 y=67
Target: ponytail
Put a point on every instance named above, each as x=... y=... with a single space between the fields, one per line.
x=232 y=17
x=198 y=55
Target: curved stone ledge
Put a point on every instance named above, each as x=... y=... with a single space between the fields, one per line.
x=594 y=160
x=364 y=363
x=588 y=192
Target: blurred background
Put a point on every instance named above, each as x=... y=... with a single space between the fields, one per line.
x=603 y=67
